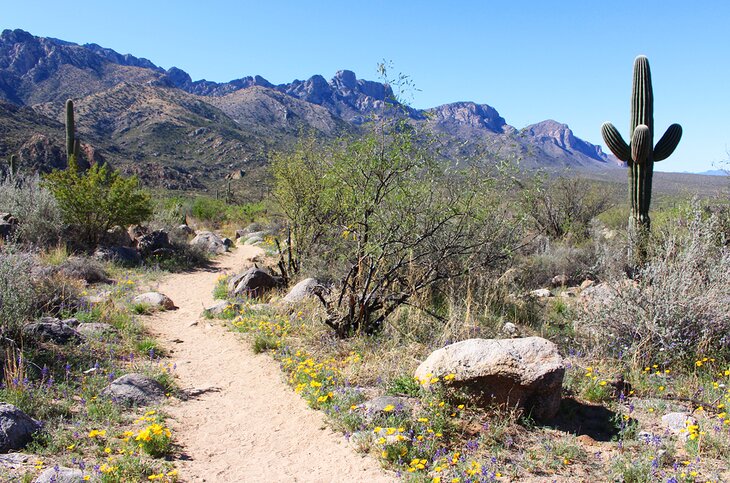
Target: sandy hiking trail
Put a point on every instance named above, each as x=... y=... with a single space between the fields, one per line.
x=245 y=424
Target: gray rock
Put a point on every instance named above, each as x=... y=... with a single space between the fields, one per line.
x=16 y=428
x=253 y=240
x=118 y=237
x=155 y=300
x=540 y=293
x=510 y=329
x=227 y=242
x=525 y=372
x=677 y=423
x=559 y=280
x=134 y=389
x=86 y=269
x=126 y=256
x=303 y=290
x=50 y=329
x=599 y=294
x=60 y=474
x=185 y=230
x=16 y=460
x=587 y=283
x=220 y=306
x=97 y=330
x=154 y=243
x=255 y=282
x=8 y=225
x=209 y=242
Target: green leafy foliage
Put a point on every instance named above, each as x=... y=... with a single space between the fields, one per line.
x=98 y=199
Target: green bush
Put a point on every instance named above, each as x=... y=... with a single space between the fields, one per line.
x=98 y=199
x=218 y=211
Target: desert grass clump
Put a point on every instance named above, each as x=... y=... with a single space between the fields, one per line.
x=677 y=308
x=17 y=293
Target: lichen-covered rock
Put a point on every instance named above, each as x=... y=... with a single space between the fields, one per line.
x=50 y=329
x=154 y=243
x=134 y=389
x=16 y=428
x=86 y=269
x=525 y=372
x=154 y=300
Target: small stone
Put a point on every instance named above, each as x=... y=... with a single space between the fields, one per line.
x=510 y=329
x=559 y=280
x=303 y=290
x=540 y=293
x=677 y=423
x=155 y=300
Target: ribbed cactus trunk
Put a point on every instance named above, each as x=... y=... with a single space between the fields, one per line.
x=13 y=167
x=72 y=143
x=641 y=153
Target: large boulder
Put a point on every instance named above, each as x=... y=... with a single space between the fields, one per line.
x=209 y=242
x=126 y=256
x=154 y=300
x=303 y=290
x=255 y=282
x=16 y=428
x=134 y=389
x=50 y=329
x=154 y=243
x=525 y=372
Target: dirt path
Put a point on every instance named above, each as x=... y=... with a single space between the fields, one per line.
x=246 y=425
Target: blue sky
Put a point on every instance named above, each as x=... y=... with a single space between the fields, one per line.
x=532 y=60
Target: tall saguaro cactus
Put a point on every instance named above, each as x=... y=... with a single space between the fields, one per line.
x=72 y=143
x=13 y=167
x=641 y=154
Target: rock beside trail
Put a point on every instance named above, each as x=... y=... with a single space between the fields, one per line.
x=303 y=290
x=526 y=372
x=16 y=428
x=8 y=225
x=51 y=329
x=254 y=283
x=134 y=389
x=60 y=474
x=253 y=240
x=125 y=256
x=155 y=300
x=154 y=243
x=220 y=306
x=209 y=242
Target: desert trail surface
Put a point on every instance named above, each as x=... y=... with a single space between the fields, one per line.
x=242 y=423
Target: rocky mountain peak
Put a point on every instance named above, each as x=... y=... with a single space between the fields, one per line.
x=552 y=135
x=459 y=115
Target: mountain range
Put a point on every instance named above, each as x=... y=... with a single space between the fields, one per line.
x=183 y=134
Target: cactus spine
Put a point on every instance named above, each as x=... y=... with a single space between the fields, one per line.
x=641 y=154
x=72 y=143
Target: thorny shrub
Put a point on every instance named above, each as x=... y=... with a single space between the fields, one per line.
x=677 y=306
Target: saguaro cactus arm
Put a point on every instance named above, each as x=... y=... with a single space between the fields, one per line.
x=70 y=129
x=641 y=144
x=615 y=142
x=668 y=143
